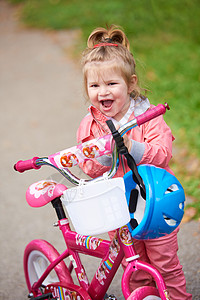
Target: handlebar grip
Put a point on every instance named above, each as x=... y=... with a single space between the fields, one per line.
x=24 y=165
x=152 y=113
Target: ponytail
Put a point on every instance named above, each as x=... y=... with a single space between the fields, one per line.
x=113 y=34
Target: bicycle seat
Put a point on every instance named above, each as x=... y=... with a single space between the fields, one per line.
x=42 y=192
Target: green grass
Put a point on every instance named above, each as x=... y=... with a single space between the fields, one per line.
x=136 y=16
x=165 y=42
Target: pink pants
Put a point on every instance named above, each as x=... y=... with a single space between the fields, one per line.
x=162 y=254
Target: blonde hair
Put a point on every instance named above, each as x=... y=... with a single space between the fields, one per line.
x=120 y=55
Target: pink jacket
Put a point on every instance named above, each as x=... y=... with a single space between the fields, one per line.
x=155 y=135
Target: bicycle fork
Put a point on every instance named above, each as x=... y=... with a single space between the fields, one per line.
x=135 y=264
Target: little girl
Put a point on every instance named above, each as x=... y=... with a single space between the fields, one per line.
x=111 y=86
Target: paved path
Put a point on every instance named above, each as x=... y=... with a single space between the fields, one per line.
x=41 y=107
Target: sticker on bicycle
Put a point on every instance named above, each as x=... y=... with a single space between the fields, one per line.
x=92 y=149
x=82 y=276
x=101 y=273
x=114 y=248
x=166 y=295
x=38 y=189
x=89 y=242
x=125 y=236
x=62 y=293
x=107 y=265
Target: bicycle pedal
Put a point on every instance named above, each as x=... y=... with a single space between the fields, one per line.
x=110 y=297
x=48 y=296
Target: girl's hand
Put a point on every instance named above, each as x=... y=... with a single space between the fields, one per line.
x=127 y=142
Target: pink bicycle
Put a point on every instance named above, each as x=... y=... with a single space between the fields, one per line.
x=97 y=206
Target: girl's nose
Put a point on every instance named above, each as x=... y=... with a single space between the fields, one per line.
x=103 y=91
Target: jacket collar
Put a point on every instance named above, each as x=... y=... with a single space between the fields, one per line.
x=97 y=115
x=101 y=118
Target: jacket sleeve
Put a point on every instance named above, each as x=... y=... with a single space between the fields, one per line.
x=158 y=143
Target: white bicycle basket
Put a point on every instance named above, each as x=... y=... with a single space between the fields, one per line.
x=98 y=207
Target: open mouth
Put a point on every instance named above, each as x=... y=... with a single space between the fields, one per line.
x=106 y=103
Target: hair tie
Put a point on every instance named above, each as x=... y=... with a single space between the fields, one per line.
x=105 y=44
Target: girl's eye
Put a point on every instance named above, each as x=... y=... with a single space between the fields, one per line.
x=112 y=83
x=94 y=85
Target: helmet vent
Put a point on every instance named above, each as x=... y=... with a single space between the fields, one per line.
x=169 y=221
x=172 y=188
x=181 y=205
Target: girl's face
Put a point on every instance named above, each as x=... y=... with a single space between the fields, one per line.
x=108 y=91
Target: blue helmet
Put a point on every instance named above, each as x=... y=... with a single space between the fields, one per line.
x=163 y=209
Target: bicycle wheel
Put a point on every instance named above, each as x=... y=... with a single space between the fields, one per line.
x=37 y=256
x=145 y=293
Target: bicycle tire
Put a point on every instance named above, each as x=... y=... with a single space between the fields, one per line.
x=145 y=293
x=38 y=255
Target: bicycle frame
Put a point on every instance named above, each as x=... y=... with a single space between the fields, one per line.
x=111 y=254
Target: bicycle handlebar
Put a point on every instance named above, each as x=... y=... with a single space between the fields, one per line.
x=152 y=113
x=36 y=162
x=24 y=165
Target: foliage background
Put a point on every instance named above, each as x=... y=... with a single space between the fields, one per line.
x=165 y=41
